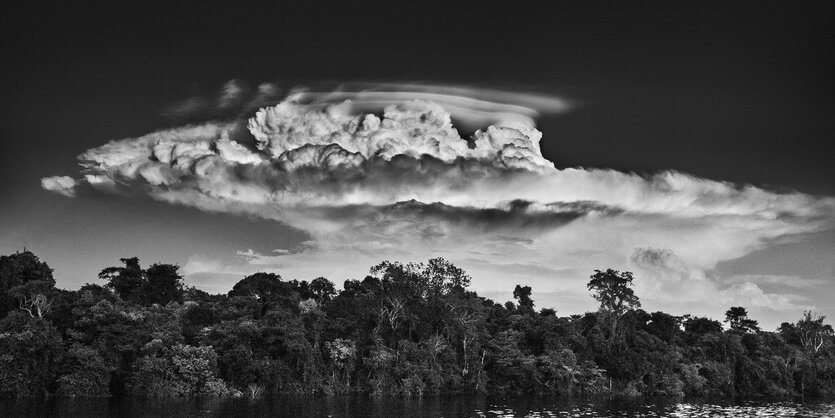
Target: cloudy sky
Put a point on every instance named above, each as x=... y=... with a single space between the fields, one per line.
x=688 y=144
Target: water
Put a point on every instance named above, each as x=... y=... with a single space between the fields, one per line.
x=443 y=406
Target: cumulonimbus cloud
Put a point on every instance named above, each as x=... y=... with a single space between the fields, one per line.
x=386 y=168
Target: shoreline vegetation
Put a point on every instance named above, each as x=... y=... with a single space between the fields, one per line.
x=405 y=330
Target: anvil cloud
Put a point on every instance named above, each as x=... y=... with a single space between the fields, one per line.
x=385 y=173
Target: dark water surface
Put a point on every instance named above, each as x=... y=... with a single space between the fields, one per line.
x=443 y=406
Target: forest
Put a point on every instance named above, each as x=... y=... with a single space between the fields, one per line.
x=404 y=330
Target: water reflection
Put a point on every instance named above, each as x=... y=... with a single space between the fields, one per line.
x=445 y=406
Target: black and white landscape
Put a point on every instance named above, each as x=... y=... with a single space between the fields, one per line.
x=583 y=199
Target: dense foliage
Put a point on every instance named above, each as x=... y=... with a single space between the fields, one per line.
x=404 y=330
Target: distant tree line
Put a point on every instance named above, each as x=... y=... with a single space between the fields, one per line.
x=404 y=330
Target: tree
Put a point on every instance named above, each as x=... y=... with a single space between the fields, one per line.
x=33 y=297
x=162 y=284
x=342 y=352
x=266 y=289
x=413 y=329
x=549 y=312
x=737 y=317
x=813 y=333
x=438 y=276
x=323 y=289
x=612 y=289
x=400 y=290
x=126 y=281
x=664 y=326
x=180 y=370
x=445 y=276
x=29 y=350
x=259 y=286
x=21 y=267
x=18 y=269
x=85 y=373
x=700 y=325
x=523 y=295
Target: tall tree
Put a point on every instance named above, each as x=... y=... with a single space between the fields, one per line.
x=737 y=317
x=126 y=281
x=522 y=294
x=160 y=283
x=613 y=290
x=163 y=284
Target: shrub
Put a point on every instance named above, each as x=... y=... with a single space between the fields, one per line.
x=181 y=370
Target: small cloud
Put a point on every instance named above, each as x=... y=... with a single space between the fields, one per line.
x=63 y=185
x=234 y=100
x=257 y=259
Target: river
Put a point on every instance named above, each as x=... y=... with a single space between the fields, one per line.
x=442 y=406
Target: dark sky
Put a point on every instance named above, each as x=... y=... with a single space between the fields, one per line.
x=742 y=92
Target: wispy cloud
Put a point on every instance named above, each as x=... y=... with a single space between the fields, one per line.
x=666 y=277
